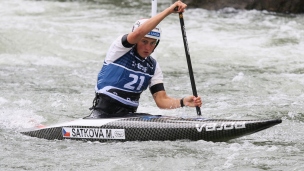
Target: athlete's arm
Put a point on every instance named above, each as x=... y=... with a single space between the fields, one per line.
x=163 y=101
x=149 y=25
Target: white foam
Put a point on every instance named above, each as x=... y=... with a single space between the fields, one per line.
x=27 y=59
x=238 y=77
x=23 y=102
x=51 y=61
x=18 y=119
x=34 y=8
x=3 y=101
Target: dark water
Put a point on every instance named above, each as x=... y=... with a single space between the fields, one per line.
x=247 y=65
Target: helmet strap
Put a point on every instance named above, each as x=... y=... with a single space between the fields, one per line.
x=156 y=45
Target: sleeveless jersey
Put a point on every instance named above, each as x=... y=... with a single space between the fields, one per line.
x=124 y=75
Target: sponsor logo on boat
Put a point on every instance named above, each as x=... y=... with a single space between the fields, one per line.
x=222 y=126
x=93 y=133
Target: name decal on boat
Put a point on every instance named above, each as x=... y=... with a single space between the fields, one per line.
x=93 y=133
x=218 y=127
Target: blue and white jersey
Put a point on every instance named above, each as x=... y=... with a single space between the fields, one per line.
x=124 y=76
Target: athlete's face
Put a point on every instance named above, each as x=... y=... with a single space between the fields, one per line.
x=146 y=46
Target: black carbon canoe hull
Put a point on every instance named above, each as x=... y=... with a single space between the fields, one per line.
x=152 y=128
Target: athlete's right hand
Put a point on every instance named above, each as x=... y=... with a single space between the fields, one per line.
x=180 y=7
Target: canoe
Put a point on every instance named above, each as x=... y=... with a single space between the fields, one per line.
x=146 y=127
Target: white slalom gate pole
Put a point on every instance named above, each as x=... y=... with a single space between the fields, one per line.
x=153 y=13
x=154 y=8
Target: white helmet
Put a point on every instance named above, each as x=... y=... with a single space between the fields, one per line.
x=154 y=34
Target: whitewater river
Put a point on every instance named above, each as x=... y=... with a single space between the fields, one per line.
x=247 y=65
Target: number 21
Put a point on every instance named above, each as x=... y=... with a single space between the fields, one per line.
x=130 y=85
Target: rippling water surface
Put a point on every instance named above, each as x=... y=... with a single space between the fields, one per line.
x=247 y=65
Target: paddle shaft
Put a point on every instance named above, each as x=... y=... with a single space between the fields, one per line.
x=182 y=24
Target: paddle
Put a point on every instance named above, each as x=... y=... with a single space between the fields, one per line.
x=182 y=24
